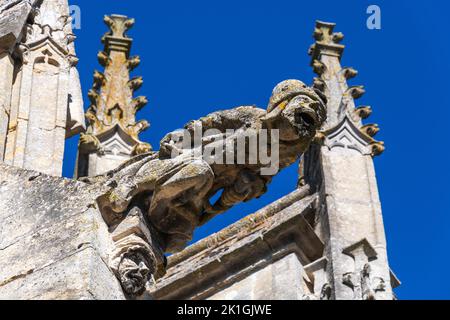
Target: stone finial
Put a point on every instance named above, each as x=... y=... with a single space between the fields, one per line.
x=116 y=38
x=327 y=41
x=363 y=112
x=349 y=73
x=119 y=25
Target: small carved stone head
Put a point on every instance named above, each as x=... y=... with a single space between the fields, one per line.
x=134 y=272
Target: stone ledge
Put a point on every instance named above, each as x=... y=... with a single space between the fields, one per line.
x=214 y=268
x=54 y=243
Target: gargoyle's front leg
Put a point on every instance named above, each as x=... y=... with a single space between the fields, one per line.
x=247 y=185
x=177 y=203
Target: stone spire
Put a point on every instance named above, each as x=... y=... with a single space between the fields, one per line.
x=112 y=135
x=40 y=88
x=332 y=79
x=340 y=167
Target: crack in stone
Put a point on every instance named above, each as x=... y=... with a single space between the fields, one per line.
x=16 y=277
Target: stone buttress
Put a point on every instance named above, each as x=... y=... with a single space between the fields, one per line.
x=340 y=168
x=40 y=96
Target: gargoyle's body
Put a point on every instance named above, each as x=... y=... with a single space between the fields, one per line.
x=177 y=189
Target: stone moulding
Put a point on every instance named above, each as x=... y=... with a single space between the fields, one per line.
x=317 y=278
x=251 y=221
x=249 y=245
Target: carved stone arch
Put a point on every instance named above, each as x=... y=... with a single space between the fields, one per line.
x=52 y=51
x=51 y=64
x=116 y=146
x=348 y=137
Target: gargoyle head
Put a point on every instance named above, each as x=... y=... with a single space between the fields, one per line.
x=297 y=110
x=133 y=271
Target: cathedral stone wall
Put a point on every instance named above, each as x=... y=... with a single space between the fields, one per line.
x=40 y=93
x=281 y=280
x=53 y=242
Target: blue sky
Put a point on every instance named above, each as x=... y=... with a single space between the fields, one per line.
x=201 y=56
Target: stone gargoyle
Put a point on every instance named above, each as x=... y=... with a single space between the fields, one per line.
x=172 y=189
x=177 y=189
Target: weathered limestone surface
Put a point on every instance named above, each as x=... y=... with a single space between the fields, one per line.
x=53 y=242
x=13 y=15
x=104 y=237
x=41 y=89
x=81 y=276
x=341 y=169
x=280 y=280
x=6 y=70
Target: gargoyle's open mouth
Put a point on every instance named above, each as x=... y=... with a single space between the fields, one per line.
x=305 y=118
x=306 y=122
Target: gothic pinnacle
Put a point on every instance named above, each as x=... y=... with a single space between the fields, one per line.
x=112 y=103
x=326 y=54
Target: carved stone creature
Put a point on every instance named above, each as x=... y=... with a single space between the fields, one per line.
x=133 y=269
x=177 y=189
x=137 y=255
